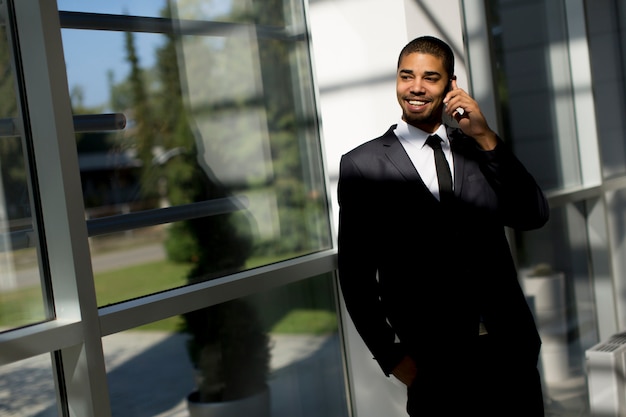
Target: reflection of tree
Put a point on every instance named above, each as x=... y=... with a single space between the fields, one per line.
x=143 y=113
x=301 y=198
x=229 y=119
x=213 y=243
x=228 y=344
x=251 y=78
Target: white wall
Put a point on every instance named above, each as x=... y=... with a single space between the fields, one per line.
x=355 y=49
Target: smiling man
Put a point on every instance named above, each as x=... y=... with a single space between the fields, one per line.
x=424 y=264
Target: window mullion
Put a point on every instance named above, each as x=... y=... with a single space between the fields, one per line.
x=584 y=106
x=48 y=109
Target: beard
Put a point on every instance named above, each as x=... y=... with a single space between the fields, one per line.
x=429 y=118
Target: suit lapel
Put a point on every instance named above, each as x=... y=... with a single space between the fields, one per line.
x=396 y=154
x=456 y=142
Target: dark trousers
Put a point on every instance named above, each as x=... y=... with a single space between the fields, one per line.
x=487 y=383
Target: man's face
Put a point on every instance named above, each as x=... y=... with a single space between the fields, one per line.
x=421 y=87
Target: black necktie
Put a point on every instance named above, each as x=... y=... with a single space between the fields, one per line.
x=444 y=177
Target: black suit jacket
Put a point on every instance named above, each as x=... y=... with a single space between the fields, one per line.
x=417 y=276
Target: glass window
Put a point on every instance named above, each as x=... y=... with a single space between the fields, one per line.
x=534 y=84
x=22 y=299
x=607 y=47
x=556 y=263
x=27 y=388
x=616 y=205
x=276 y=351
x=556 y=278
x=206 y=126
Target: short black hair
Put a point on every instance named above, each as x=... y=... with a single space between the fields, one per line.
x=432 y=46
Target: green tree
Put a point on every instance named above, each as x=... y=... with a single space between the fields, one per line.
x=228 y=343
x=144 y=131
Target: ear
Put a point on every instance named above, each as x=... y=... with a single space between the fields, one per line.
x=450 y=85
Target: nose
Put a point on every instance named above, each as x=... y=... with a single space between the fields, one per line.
x=416 y=86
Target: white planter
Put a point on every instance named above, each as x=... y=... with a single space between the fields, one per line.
x=546 y=297
x=257 y=405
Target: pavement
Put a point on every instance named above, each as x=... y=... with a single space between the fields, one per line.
x=24 y=277
x=149 y=375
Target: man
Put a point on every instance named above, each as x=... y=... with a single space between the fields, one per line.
x=426 y=272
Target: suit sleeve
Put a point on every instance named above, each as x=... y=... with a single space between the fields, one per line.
x=357 y=257
x=522 y=204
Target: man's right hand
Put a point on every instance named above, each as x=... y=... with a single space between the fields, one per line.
x=405 y=371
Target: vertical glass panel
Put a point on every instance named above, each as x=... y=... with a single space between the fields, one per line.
x=276 y=353
x=617 y=225
x=27 y=388
x=21 y=291
x=607 y=47
x=555 y=274
x=220 y=140
x=534 y=83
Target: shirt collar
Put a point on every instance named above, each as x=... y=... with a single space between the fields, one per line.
x=418 y=136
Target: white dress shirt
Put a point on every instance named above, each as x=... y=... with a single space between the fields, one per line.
x=414 y=142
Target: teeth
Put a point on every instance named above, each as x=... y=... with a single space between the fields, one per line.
x=416 y=103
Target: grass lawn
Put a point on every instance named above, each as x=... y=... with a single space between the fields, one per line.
x=136 y=281
x=21 y=307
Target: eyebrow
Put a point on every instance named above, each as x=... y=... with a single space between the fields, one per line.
x=426 y=73
x=431 y=73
